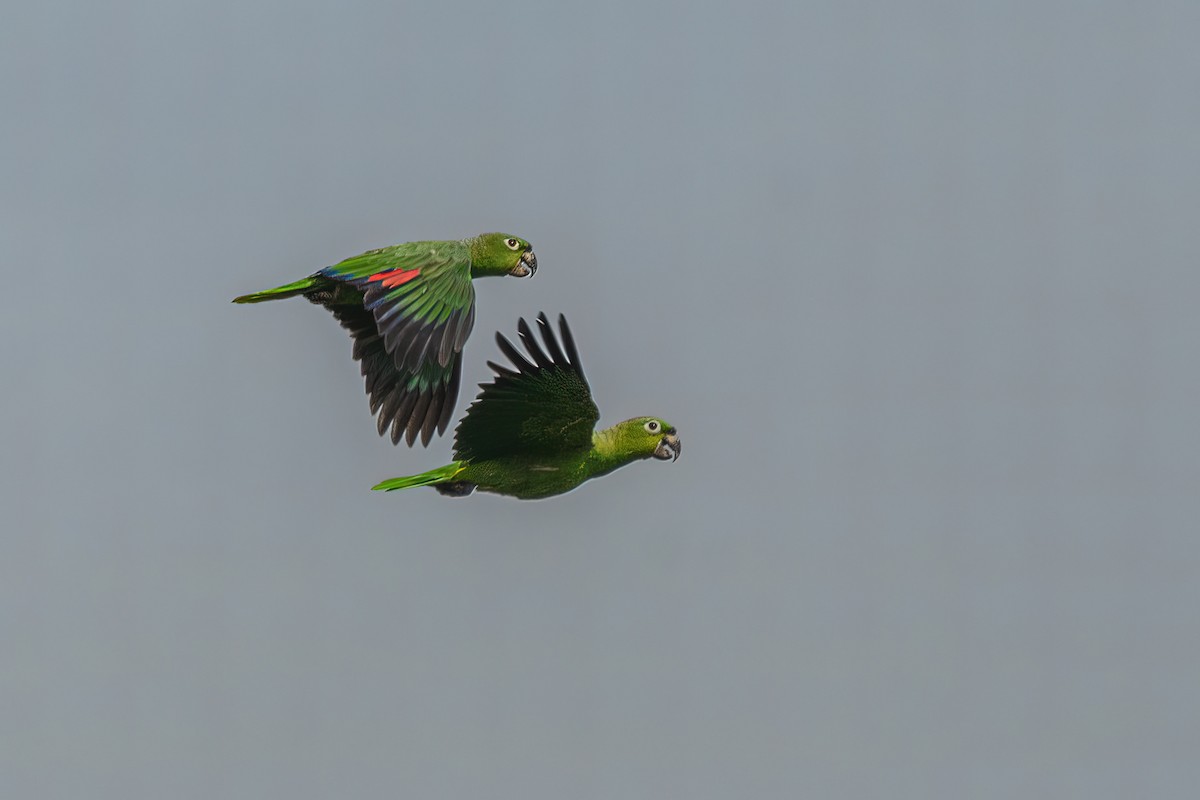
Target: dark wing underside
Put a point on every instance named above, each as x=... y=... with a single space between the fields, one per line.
x=408 y=403
x=541 y=405
x=411 y=314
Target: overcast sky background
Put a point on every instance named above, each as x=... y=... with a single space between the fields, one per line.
x=916 y=282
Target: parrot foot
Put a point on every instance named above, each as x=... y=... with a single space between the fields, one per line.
x=455 y=488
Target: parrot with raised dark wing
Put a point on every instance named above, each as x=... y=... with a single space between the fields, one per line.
x=410 y=308
x=531 y=432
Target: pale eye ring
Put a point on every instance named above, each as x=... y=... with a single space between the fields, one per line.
x=513 y=244
x=652 y=426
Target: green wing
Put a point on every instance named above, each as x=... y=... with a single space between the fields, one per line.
x=409 y=403
x=416 y=312
x=543 y=405
x=420 y=294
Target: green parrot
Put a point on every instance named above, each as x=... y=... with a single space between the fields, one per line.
x=531 y=432
x=410 y=308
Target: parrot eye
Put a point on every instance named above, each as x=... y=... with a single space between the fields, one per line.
x=513 y=244
x=652 y=426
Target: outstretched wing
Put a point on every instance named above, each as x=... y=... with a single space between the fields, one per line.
x=543 y=405
x=408 y=403
x=421 y=296
x=418 y=308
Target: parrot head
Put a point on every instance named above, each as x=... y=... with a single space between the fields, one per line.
x=649 y=437
x=501 y=254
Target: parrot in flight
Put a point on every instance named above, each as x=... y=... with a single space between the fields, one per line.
x=531 y=432
x=410 y=308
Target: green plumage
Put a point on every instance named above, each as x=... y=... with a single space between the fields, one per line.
x=410 y=308
x=531 y=432
x=281 y=292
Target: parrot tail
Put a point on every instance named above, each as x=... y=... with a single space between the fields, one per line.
x=434 y=476
x=281 y=292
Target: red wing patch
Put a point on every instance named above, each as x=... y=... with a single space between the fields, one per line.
x=395 y=277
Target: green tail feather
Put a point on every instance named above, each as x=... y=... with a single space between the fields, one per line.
x=434 y=476
x=280 y=292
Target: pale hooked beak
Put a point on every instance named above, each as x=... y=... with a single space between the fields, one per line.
x=526 y=266
x=669 y=447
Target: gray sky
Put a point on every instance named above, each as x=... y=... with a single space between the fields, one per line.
x=916 y=282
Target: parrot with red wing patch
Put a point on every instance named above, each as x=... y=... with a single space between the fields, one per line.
x=410 y=308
